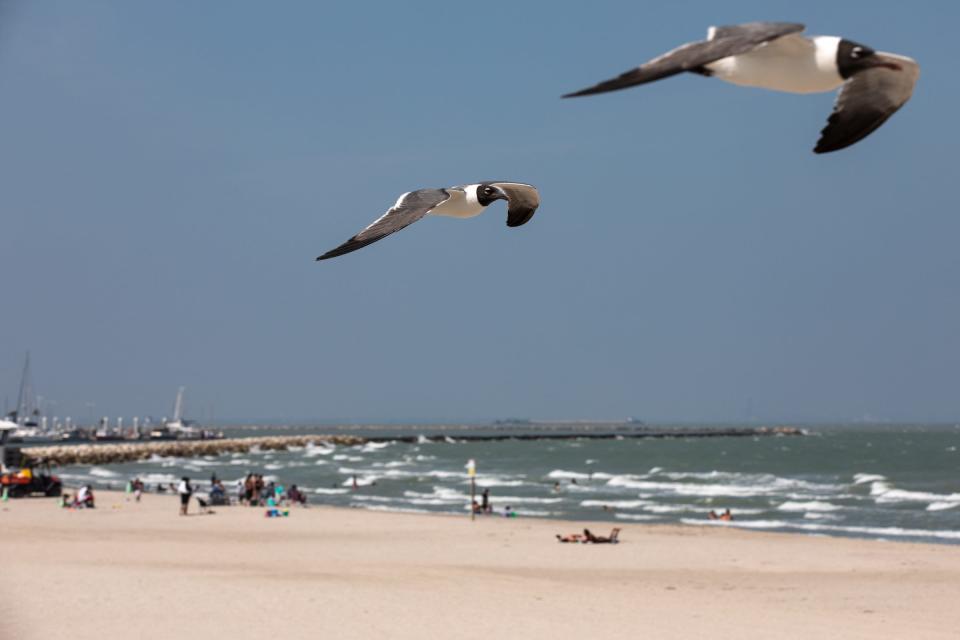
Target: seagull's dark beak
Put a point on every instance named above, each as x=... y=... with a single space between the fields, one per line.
x=884 y=61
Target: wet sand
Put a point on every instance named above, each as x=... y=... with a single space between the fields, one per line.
x=127 y=570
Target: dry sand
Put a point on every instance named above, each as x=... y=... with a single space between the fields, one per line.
x=127 y=570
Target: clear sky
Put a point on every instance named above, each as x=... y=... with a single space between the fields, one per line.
x=169 y=171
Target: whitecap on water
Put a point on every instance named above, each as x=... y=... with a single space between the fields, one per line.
x=100 y=472
x=636 y=516
x=814 y=505
x=560 y=474
x=616 y=504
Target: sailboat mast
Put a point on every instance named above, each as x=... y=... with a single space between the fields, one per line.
x=24 y=400
x=178 y=405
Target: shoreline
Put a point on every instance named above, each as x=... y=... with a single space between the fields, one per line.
x=141 y=570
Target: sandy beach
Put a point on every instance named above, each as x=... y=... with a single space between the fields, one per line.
x=140 y=571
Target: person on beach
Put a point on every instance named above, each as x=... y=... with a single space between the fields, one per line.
x=571 y=537
x=258 y=489
x=137 y=489
x=712 y=515
x=185 y=491
x=296 y=496
x=84 y=498
x=485 y=505
x=612 y=539
x=355 y=485
x=726 y=516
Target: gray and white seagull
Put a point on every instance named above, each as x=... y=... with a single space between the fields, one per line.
x=464 y=201
x=774 y=55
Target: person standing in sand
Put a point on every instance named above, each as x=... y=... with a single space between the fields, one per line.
x=185 y=491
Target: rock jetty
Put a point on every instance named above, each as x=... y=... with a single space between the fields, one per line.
x=63 y=455
x=131 y=451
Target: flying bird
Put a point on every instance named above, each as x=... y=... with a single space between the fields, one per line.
x=464 y=201
x=774 y=55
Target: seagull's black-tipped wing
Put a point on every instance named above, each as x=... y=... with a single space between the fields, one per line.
x=725 y=41
x=522 y=201
x=409 y=208
x=867 y=100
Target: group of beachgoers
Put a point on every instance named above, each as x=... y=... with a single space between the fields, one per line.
x=254 y=491
x=726 y=516
x=251 y=490
x=82 y=500
x=485 y=507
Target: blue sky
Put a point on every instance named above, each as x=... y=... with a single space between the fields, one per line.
x=168 y=172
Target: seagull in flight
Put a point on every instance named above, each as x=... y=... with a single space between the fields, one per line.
x=774 y=55
x=464 y=201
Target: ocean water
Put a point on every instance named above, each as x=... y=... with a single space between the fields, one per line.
x=889 y=482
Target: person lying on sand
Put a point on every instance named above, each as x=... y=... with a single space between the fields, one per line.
x=612 y=539
x=572 y=537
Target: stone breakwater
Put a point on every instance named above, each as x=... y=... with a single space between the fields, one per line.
x=132 y=451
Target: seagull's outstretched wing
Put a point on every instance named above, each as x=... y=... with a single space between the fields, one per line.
x=867 y=100
x=522 y=201
x=409 y=208
x=722 y=42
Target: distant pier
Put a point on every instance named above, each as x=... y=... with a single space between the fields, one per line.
x=62 y=455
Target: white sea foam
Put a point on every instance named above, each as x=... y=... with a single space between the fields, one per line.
x=560 y=474
x=324 y=491
x=883 y=492
x=689 y=489
x=616 y=504
x=636 y=516
x=816 y=527
x=311 y=451
x=808 y=506
x=158 y=478
x=496 y=482
x=445 y=474
x=863 y=478
x=372 y=498
x=817 y=515
x=273 y=466
x=100 y=472
x=942 y=506
x=440 y=493
x=362 y=481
